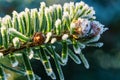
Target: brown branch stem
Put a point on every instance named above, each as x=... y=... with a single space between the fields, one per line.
x=12 y=49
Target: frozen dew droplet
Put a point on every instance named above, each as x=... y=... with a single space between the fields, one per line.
x=1 y=55
x=48 y=36
x=65 y=36
x=43 y=4
x=57 y=23
x=53 y=40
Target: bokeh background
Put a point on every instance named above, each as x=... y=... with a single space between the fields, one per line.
x=104 y=62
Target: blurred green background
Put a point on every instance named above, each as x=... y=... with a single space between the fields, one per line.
x=104 y=62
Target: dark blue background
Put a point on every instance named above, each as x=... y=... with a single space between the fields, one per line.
x=104 y=62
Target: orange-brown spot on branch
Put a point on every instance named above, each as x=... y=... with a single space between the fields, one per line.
x=38 y=38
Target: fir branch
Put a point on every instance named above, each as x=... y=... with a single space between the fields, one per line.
x=72 y=24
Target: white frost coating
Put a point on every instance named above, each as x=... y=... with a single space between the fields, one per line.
x=47 y=11
x=48 y=35
x=80 y=19
x=5 y=19
x=85 y=26
x=72 y=7
x=27 y=10
x=84 y=60
x=31 y=54
x=77 y=50
x=15 y=13
x=54 y=6
x=33 y=10
x=53 y=40
x=82 y=3
x=92 y=10
x=59 y=6
x=66 y=6
x=57 y=23
x=94 y=39
x=21 y=14
x=65 y=36
x=11 y=30
x=3 y=30
x=65 y=14
x=15 y=64
x=15 y=39
x=8 y=75
x=51 y=8
x=43 y=4
x=18 y=54
x=79 y=12
x=96 y=44
x=1 y=55
x=100 y=44
x=78 y=4
x=72 y=25
x=86 y=7
x=82 y=46
x=97 y=25
x=72 y=4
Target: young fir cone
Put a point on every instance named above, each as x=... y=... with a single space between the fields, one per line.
x=85 y=28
